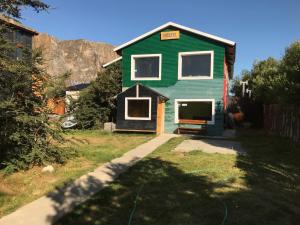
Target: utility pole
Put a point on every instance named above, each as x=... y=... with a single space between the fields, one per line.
x=248 y=91
x=243 y=83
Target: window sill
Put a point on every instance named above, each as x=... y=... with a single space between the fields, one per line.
x=195 y=78
x=145 y=79
x=137 y=118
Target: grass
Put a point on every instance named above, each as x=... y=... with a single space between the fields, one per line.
x=94 y=148
x=262 y=187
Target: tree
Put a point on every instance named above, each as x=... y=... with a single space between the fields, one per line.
x=97 y=102
x=267 y=82
x=26 y=135
x=275 y=81
x=13 y=8
x=272 y=82
x=290 y=67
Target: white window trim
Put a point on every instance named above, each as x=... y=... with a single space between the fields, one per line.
x=211 y=122
x=145 y=56
x=137 y=118
x=180 y=54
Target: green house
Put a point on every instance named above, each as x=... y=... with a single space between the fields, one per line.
x=175 y=78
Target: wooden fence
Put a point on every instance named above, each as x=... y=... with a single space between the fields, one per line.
x=283 y=120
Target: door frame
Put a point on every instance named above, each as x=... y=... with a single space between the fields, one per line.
x=160 y=118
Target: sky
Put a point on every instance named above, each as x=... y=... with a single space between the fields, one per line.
x=260 y=28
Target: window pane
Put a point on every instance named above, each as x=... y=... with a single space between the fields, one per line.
x=147 y=67
x=195 y=110
x=138 y=108
x=196 y=65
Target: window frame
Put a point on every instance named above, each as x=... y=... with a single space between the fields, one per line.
x=137 y=118
x=176 y=105
x=145 y=56
x=199 y=77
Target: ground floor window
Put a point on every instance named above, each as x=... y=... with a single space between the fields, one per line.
x=194 y=110
x=138 y=108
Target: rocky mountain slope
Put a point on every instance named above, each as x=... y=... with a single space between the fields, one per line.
x=83 y=58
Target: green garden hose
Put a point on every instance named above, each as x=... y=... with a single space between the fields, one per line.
x=141 y=188
x=226 y=213
x=135 y=203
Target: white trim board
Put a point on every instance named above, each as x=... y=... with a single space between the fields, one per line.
x=211 y=122
x=132 y=64
x=137 y=118
x=200 y=77
x=194 y=31
x=111 y=62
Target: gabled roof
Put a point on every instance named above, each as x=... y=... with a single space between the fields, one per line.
x=161 y=96
x=197 y=32
x=17 y=24
x=111 y=62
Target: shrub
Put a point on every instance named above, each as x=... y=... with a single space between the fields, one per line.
x=97 y=104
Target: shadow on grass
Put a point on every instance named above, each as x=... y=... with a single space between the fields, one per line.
x=169 y=196
x=3 y=194
x=272 y=175
x=269 y=193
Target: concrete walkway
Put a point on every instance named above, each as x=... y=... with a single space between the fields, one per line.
x=48 y=209
x=211 y=146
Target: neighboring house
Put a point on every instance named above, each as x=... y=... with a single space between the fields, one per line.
x=22 y=37
x=19 y=34
x=174 y=76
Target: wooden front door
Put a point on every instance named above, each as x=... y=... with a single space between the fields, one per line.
x=160 y=117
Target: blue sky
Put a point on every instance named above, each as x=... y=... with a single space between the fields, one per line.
x=261 y=28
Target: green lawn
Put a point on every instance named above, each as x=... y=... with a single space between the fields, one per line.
x=198 y=188
x=93 y=147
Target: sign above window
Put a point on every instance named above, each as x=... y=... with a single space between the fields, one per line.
x=170 y=35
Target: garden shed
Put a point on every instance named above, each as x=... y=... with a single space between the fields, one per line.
x=140 y=108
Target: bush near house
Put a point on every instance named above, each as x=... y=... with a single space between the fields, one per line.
x=97 y=103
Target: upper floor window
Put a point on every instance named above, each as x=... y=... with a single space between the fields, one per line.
x=146 y=67
x=195 y=65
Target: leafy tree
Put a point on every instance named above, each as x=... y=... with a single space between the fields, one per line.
x=97 y=102
x=290 y=67
x=267 y=83
x=274 y=81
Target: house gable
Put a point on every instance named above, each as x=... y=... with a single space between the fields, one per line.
x=170 y=49
x=178 y=26
x=138 y=92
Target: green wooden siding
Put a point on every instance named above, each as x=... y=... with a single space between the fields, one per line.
x=169 y=85
x=197 y=89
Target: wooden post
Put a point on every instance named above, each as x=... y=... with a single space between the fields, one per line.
x=160 y=117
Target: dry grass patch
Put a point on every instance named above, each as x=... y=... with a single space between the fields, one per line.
x=93 y=149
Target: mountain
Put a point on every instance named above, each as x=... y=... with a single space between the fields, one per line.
x=83 y=58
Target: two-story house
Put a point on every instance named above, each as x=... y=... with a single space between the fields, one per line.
x=18 y=34
x=174 y=77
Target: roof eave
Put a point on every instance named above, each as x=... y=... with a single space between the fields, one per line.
x=194 y=31
x=111 y=62
x=17 y=24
